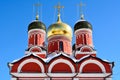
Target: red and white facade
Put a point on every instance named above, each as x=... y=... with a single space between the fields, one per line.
x=60 y=63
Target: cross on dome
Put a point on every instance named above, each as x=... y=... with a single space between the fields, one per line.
x=37 y=5
x=58 y=7
x=81 y=10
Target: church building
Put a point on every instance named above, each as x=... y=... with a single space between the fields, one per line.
x=57 y=58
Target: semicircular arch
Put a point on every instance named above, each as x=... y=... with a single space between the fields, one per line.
x=61 y=61
x=92 y=61
x=28 y=61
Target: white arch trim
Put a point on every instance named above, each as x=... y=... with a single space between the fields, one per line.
x=35 y=47
x=86 y=47
x=92 y=61
x=61 y=61
x=31 y=60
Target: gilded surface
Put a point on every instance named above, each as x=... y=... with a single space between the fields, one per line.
x=60 y=28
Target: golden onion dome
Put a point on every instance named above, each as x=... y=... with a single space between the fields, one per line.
x=59 y=28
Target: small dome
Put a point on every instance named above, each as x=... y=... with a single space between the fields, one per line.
x=36 y=25
x=82 y=24
x=60 y=28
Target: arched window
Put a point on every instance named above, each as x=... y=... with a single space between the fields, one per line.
x=61 y=46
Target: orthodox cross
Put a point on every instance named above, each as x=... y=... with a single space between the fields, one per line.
x=58 y=7
x=81 y=10
x=37 y=5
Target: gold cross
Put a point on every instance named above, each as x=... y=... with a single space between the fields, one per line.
x=59 y=7
x=37 y=5
x=81 y=6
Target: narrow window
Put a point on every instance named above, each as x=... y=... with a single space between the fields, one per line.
x=85 y=40
x=61 y=46
x=36 y=39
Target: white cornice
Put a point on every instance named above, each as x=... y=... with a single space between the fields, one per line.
x=29 y=74
x=83 y=75
x=79 y=52
x=93 y=74
x=28 y=52
x=61 y=74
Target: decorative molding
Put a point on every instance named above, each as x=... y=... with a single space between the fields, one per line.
x=61 y=74
x=84 y=30
x=92 y=61
x=61 y=61
x=86 y=46
x=29 y=74
x=35 y=47
x=33 y=79
x=31 y=60
x=33 y=30
x=79 y=52
x=42 y=52
x=93 y=75
x=83 y=75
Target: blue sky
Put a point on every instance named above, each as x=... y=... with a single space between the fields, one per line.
x=15 y=16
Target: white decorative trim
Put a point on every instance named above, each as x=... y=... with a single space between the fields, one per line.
x=42 y=52
x=29 y=74
x=40 y=30
x=84 y=30
x=61 y=61
x=75 y=78
x=79 y=52
x=93 y=75
x=86 y=75
x=32 y=79
x=31 y=60
x=35 y=47
x=61 y=74
x=92 y=61
x=86 y=46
